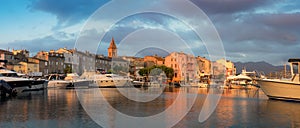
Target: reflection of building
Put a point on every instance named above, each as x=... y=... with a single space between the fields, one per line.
x=184 y=66
x=112 y=49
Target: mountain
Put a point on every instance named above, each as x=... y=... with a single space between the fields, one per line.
x=258 y=66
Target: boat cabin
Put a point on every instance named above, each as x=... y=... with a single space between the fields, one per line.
x=295 y=69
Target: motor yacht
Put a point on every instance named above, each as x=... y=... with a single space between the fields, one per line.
x=283 y=89
x=19 y=84
x=111 y=80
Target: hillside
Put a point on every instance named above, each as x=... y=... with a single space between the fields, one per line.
x=258 y=66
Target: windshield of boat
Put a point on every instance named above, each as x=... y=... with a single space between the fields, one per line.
x=10 y=74
x=56 y=77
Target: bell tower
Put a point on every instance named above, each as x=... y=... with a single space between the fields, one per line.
x=112 y=49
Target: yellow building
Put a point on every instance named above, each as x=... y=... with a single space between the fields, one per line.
x=230 y=68
x=156 y=60
x=26 y=67
x=204 y=65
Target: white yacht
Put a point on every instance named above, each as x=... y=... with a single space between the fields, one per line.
x=76 y=81
x=19 y=84
x=57 y=81
x=111 y=80
x=288 y=89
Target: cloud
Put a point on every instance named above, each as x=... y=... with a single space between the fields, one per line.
x=46 y=43
x=228 y=6
x=67 y=12
x=248 y=28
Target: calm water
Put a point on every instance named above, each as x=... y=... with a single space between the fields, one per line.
x=61 y=108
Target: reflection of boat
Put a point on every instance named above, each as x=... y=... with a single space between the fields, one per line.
x=18 y=84
x=111 y=80
x=283 y=89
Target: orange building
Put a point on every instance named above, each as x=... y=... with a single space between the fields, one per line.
x=156 y=60
x=112 y=49
x=184 y=65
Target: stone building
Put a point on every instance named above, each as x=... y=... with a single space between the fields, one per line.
x=56 y=62
x=103 y=63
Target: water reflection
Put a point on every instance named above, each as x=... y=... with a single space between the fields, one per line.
x=61 y=108
x=52 y=108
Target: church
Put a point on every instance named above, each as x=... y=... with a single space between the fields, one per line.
x=112 y=49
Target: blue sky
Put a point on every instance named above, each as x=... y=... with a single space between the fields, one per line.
x=251 y=30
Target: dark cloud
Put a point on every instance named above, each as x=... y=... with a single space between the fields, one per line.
x=248 y=28
x=285 y=21
x=228 y=6
x=67 y=12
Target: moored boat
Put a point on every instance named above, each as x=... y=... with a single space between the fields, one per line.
x=19 y=84
x=57 y=81
x=288 y=89
x=111 y=80
x=76 y=81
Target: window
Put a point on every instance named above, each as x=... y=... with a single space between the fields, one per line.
x=175 y=74
x=171 y=65
x=46 y=63
x=175 y=65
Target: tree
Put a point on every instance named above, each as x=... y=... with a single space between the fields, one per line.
x=68 y=69
x=168 y=71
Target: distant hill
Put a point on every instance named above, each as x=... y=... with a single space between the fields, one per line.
x=258 y=66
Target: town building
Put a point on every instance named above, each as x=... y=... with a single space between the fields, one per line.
x=27 y=68
x=204 y=69
x=103 y=63
x=56 y=62
x=6 y=57
x=43 y=55
x=153 y=60
x=184 y=65
x=224 y=64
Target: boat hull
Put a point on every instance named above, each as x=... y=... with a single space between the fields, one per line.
x=280 y=89
x=59 y=84
x=112 y=83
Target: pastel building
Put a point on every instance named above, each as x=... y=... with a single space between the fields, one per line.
x=228 y=65
x=184 y=65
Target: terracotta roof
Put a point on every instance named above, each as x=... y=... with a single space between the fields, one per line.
x=112 y=44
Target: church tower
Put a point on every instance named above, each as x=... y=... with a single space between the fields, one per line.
x=112 y=49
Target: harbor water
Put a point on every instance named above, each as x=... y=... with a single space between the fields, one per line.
x=63 y=108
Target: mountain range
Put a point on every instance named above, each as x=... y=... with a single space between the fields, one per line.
x=258 y=66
